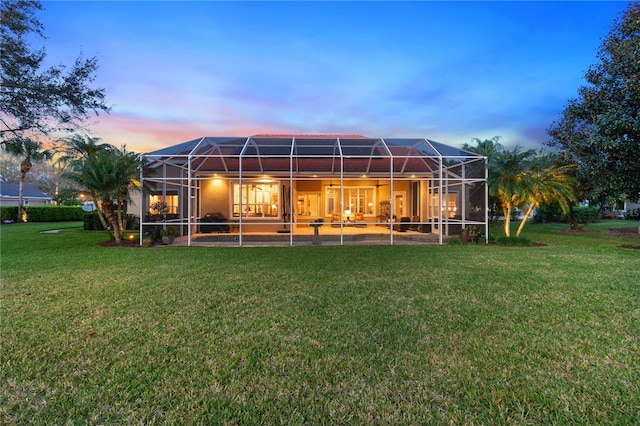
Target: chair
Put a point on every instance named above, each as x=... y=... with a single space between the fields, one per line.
x=415 y=225
x=359 y=220
x=335 y=220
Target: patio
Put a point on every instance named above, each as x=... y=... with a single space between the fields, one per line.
x=275 y=189
x=304 y=235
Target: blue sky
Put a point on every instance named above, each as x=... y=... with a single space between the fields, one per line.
x=448 y=71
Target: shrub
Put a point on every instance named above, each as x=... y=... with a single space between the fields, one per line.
x=553 y=213
x=454 y=241
x=92 y=222
x=171 y=231
x=585 y=213
x=72 y=202
x=8 y=213
x=512 y=241
x=549 y=213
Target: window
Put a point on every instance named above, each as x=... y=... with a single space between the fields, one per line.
x=308 y=204
x=333 y=200
x=256 y=200
x=450 y=208
x=171 y=201
x=357 y=200
x=360 y=200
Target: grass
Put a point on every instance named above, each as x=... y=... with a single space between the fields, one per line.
x=319 y=335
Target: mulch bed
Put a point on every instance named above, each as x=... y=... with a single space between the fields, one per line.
x=125 y=243
x=627 y=232
x=572 y=231
x=533 y=244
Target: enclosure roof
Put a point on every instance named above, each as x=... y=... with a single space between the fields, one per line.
x=327 y=154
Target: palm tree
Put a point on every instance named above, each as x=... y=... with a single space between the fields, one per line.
x=128 y=165
x=509 y=182
x=109 y=174
x=549 y=182
x=489 y=148
x=30 y=151
x=78 y=148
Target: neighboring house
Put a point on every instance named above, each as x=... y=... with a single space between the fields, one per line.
x=369 y=190
x=9 y=195
x=629 y=206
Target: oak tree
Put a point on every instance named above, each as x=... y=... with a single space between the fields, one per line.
x=35 y=99
x=599 y=130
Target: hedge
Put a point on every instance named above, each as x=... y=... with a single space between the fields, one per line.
x=8 y=213
x=44 y=213
x=553 y=213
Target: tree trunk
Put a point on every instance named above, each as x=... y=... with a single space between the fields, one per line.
x=573 y=220
x=506 y=212
x=110 y=215
x=25 y=166
x=19 y=218
x=525 y=218
x=122 y=216
x=98 y=206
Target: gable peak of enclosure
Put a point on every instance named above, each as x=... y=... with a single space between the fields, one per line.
x=322 y=189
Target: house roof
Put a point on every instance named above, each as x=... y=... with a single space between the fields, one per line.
x=308 y=136
x=11 y=190
x=323 y=154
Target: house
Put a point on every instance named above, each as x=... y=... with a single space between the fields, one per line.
x=9 y=195
x=275 y=189
x=629 y=207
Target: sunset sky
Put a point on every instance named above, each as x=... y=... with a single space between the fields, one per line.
x=448 y=71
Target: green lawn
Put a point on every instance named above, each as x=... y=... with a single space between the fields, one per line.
x=319 y=335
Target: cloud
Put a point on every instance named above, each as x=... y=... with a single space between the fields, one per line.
x=142 y=134
x=449 y=71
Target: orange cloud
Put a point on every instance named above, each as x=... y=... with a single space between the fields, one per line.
x=145 y=135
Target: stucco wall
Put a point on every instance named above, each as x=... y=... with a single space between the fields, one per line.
x=215 y=196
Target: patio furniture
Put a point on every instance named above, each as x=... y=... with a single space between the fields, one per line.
x=214 y=222
x=335 y=220
x=403 y=225
x=415 y=225
x=359 y=220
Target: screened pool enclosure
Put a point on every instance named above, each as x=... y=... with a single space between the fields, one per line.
x=302 y=190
